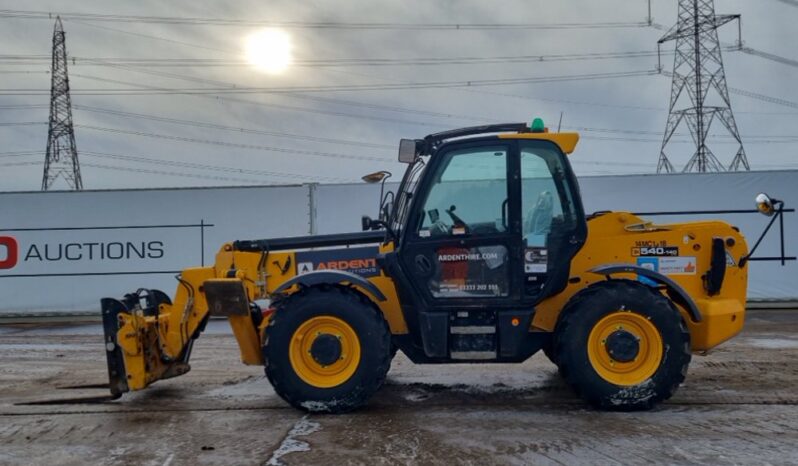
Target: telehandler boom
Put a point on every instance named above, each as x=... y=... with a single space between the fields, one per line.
x=483 y=255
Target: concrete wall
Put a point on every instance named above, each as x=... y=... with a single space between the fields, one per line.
x=73 y=248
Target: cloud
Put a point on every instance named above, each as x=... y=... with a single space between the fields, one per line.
x=636 y=104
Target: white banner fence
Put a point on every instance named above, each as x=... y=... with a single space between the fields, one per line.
x=63 y=251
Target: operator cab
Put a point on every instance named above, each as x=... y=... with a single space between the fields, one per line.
x=486 y=218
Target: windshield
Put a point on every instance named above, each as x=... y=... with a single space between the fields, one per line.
x=405 y=193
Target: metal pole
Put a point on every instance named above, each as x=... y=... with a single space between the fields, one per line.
x=202 y=242
x=312 y=227
x=781 y=231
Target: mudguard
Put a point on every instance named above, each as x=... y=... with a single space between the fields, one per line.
x=676 y=292
x=331 y=277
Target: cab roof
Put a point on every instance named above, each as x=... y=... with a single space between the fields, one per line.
x=566 y=141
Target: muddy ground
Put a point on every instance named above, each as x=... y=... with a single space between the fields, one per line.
x=739 y=405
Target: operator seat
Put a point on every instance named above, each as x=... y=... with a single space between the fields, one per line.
x=538 y=220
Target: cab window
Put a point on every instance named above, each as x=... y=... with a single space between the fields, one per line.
x=468 y=195
x=546 y=202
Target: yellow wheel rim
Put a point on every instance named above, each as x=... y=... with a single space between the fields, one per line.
x=635 y=370
x=308 y=368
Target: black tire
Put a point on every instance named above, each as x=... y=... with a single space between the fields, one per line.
x=372 y=333
x=587 y=309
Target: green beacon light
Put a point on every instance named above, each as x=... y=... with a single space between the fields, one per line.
x=537 y=126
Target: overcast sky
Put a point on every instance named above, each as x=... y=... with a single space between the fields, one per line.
x=344 y=134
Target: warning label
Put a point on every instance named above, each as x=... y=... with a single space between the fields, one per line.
x=669 y=265
x=677 y=265
x=536 y=260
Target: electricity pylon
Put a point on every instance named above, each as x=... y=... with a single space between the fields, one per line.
x=62 y=154
x=697 y=70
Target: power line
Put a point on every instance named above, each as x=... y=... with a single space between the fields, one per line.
x=343 y=62
x=337 y=101
x=757 y=139
x=26 y=14
x=20 y=154
x=199 y=166
x=766 y=138
x=258 y=147
x=752 y=95
x=581 y=129
x=377 y=61
x=174 y=163
x=235 y=129
x=18 y=164
x=789 y=2
x=350 y=87
x=374 y=106
x=764 y=98
x=189 y=44
x=272 y=105
x=23 y=107
x=148 y=36
x=167 y=173
x=349 y=142
x=23 y=72
x=770 y=56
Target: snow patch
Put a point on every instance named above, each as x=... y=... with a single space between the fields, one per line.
x=290 y=444
x=416 y=396
x=319 y=406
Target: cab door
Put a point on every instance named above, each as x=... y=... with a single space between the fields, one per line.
x=462 y=244
x=553 y=226
x=495 y=224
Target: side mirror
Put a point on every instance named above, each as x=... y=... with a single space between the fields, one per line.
x=407 y=150
x=765 y=204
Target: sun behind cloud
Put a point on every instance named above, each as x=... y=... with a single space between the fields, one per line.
x=269 y=50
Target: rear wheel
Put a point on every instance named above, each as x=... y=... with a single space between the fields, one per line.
x=327 y=349
x=622 y=346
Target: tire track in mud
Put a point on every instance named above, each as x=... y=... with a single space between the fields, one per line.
x=423 y=396
x=738 y=406
x=543 y=403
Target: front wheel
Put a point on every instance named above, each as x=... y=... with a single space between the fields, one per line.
x=622 y=346
x=327 y=350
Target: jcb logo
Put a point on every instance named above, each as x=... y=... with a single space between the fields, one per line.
x=11 y=252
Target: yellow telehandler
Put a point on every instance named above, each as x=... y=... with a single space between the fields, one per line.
x=482 y=255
